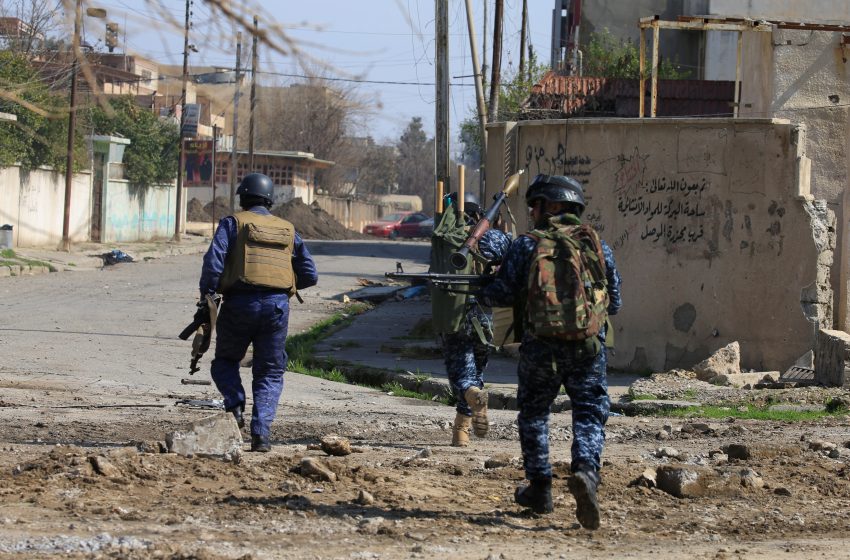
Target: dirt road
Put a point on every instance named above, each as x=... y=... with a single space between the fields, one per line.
x=89 y=367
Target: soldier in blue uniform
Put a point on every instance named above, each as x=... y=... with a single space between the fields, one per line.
x=546 y=365
x=466 y=351
x=257 y=261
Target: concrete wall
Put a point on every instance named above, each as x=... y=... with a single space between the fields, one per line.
x=133 y=213
x=711 y=225
x=34 y=204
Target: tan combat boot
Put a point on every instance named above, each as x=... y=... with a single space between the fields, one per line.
x=477 y=401
x=460 y=430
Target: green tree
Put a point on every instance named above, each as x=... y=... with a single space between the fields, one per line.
x=39 y=136
x=416 y=163
x=151 y=157
x=515 y=89
x=606 y=56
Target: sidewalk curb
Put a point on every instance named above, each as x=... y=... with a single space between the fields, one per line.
x=498 y=398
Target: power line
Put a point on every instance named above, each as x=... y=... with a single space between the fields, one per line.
x=356 y=80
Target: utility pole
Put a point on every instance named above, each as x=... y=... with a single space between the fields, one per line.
x=496 y=76
x=253 y=98
x=441 y=59
x=484 y=41
x=479 y=98
x=234 y=167
x=214 y=154
x=178 y=218
x=72 y=116
x=522 y=38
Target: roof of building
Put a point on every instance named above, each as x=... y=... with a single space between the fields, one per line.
x=306 y=156
x=558 y=96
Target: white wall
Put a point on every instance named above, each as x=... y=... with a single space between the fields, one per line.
x=34 y=204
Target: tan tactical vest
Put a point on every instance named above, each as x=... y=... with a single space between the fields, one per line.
x=262 y=254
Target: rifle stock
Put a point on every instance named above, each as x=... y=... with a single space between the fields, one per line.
x=459 y=257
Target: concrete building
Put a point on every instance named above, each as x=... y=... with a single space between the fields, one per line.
x=574 y=21
x=293 y=174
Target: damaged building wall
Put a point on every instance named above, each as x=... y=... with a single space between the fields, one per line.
x=711 y=223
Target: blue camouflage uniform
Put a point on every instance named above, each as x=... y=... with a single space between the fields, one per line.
x=464 y=353
x=249 y=315
x=545 y=366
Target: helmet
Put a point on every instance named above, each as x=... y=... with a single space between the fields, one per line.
x=256 y=184
x=556 y=188
x=470 y=202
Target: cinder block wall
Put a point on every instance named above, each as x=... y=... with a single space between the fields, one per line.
x=711 y=224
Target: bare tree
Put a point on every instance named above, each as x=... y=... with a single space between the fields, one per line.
x=39 y=21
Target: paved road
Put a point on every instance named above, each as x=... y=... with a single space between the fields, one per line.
x=114 y=331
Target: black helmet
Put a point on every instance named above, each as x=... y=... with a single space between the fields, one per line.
x=470 y=202
x=556 y=188
x=257 y=184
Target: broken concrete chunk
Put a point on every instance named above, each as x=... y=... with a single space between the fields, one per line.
x=751 y=479
x=313 y=468
x=364 y=498
x=738 y=451
x=497 y=462
x=681 y=482
x=215 y=436
x=668 y=452
x=104 y=467
x=647 y=479
x=336 y=446
x=821 y=445
x=725 y=361
x=832 y=352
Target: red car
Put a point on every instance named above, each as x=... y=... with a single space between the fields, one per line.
x=399 y=224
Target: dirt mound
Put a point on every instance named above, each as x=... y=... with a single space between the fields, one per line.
x=195 y=211
x=222 y=208
x=311 y=222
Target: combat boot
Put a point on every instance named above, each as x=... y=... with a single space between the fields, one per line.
x=238 y=413
x=582 y=484
x=260 y=444
x=460 y=430
x=477 y=401
x=537 y=495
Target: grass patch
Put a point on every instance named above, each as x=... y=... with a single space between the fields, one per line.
x=350 y=344
x=690 y=394
x=747 y=412
x=8 y=257
x=397 y=390
x=641 y=396
x=300 y=347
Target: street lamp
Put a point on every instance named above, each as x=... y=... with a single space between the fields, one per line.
x=72 y=119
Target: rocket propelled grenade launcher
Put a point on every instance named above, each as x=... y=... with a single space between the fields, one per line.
x=459 y=258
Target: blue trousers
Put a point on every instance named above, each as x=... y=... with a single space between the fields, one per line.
x=543 y=369
x=261 y=319
x=466 y=356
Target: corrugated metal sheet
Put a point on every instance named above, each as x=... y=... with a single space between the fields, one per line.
x=571 y=96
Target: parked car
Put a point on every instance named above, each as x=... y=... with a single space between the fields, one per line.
x=387 y=225
x=411 y=226
x=426 y=227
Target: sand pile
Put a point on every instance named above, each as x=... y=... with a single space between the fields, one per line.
x=195 y=211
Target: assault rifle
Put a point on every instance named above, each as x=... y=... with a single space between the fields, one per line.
x=445 y=282
x=459 y=258
x=202 y=325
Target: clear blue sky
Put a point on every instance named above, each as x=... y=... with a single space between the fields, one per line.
x=383 y=40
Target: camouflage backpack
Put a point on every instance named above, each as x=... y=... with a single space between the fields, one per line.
x=567 y=296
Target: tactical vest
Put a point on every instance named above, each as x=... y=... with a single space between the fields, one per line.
x=449 y=309
x=262 y=254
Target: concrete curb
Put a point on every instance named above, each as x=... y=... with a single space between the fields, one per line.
x=7 y=271
x=499 y=399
